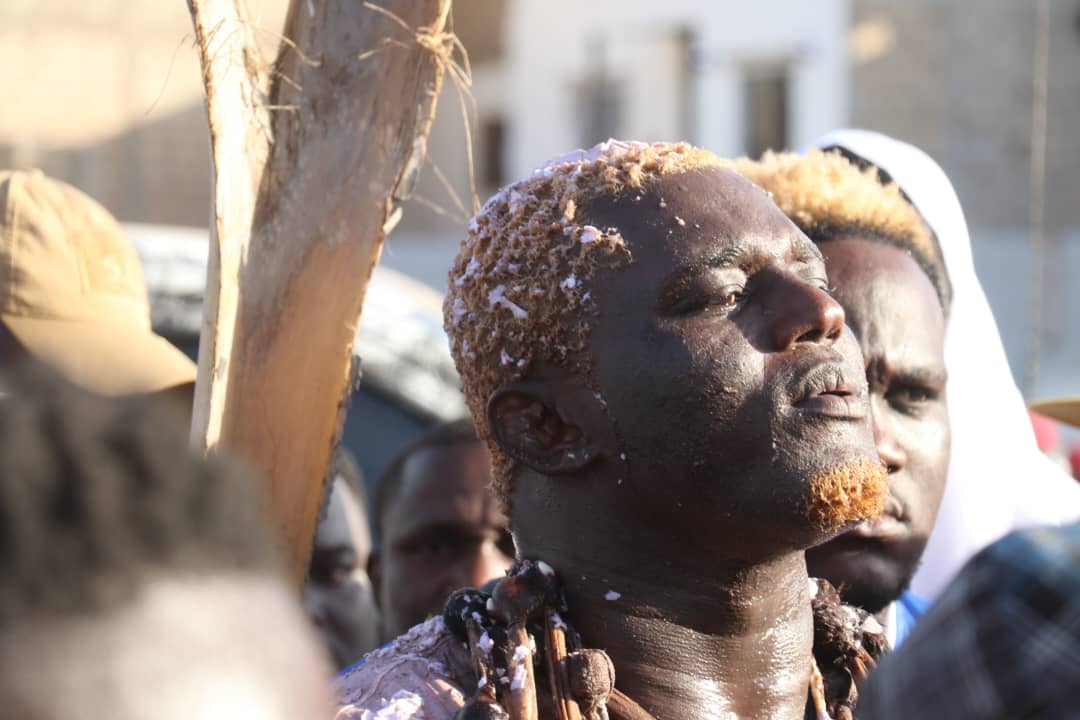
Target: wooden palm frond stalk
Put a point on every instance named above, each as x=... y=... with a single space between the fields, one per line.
x=309 y=154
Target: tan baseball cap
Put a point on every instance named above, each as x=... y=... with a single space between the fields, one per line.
x=1066 y=410
x=72 y=291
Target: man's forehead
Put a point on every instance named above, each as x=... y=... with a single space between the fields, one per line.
x=443 y=481
x=708 y=215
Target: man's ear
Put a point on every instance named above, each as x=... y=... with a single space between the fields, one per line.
x=529 y=426
x=374 y=573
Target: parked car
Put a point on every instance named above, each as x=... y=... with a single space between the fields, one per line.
x=407 y=377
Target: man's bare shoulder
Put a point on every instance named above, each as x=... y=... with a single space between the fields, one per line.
x=421 y=674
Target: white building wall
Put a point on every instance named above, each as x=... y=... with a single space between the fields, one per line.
x=553 y=46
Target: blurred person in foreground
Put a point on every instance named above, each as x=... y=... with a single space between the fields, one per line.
x=886 y=270
x=73 y=297
x=998 y=479
x=1002 y=642
x=438 y=524
x=137 y=581
x=338 y=594
x=675 y=412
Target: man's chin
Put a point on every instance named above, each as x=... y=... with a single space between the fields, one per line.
x=845 y=494
x=867 y=573
x=865 y=582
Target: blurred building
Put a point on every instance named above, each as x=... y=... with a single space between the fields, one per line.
x=959 y=80
x=106 y=94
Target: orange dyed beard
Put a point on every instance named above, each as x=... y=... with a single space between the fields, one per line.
x=847 y=493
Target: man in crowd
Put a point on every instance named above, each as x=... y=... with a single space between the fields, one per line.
x=438 y=526
x=886 y=270
x=137 y=581
x=338 y=594
x=72 y=295
x=676 y=413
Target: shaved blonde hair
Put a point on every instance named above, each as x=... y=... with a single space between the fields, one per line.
x=827 y=196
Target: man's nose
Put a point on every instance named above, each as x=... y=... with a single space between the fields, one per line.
x=803 y=313
x=889 y=450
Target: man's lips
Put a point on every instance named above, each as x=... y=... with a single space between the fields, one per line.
x=826 y=391
x=889 y=525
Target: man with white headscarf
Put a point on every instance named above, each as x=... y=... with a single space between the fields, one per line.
x=998 y=480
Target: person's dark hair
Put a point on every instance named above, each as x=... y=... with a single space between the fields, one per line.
x=96 y=493
x=455 y=432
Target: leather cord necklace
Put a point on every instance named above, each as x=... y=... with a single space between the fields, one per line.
x=522 y=620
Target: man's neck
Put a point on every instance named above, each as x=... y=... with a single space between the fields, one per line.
x=686 y=645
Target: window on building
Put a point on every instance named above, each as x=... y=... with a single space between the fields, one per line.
x=600 y=101
x=493 y=145
x=765 y=108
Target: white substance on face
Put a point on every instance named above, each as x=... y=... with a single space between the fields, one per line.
x=496 y=297
x=404 y=705
x=612 y=596
x=519 y=678
x=589 y=234
x=485 y=643
x=520 y=653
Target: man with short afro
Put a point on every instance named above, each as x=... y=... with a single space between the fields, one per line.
x=887 y=271
x=137 y=580
x=677 y=413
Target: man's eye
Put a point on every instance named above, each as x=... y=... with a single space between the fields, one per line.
x=912 y=396
x=433 y=549
x=728 y=298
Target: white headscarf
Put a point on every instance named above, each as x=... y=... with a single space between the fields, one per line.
x=998 y=478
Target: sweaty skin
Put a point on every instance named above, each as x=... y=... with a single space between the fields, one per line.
x=894 y=312
x=443 y=531
x=722 y=380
